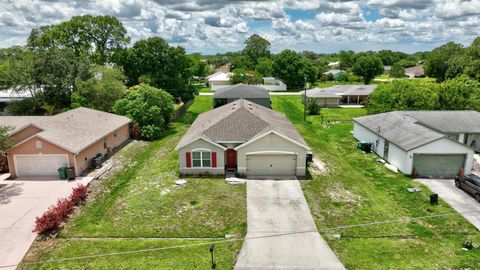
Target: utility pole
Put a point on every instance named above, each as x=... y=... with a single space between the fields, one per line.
x=305 y=100
x=212 y=248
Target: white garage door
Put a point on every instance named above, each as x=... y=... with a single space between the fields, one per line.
x=27 y=165
x=271 y=165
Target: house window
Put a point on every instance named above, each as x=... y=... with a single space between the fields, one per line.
x=38 y=144
x=201 y=159
x=104 y=144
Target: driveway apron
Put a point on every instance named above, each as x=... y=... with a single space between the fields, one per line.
x=281 y=231
x=456 y=198
x=20 y=203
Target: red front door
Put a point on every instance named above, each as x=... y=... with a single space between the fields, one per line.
x=231 y=159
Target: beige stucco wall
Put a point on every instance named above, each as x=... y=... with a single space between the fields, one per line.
x=201 y=144
x=29 y=147
x=25 y=133
x=272 y=142
x=115 y=139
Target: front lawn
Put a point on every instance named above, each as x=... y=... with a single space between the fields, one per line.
x=142 y=201
x=357 y=190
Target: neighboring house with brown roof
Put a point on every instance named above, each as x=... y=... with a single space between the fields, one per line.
x=69 y=139
x=415 y=72
x=242 y=137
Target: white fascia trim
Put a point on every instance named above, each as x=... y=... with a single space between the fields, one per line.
x=202 y=138
x=276 y=133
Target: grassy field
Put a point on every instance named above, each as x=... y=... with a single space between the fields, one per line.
x=142 y=201
x=356 y=190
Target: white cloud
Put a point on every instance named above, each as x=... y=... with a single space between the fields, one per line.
x=222 y=25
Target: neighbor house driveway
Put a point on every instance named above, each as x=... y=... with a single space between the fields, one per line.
x=20 y=203
x=281 y=231
x=456 y=198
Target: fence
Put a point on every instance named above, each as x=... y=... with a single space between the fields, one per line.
x=180 y=110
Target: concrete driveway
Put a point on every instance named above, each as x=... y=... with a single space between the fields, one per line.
x=456 y=198
x=281 y=231
x=20 y=203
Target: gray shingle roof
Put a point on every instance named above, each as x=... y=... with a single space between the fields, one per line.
x=18 y=122
x=411 y=129
x=241 y=91
x=343 y=90
x=239 y=121
x=76 y=129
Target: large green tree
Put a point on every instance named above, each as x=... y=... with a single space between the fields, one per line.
x=397 y=71
x=6 y=142
x=150 y=108
x=97 y=36
x=198 y=65
x=461 y=93
x=241 y=61
x=264 y=66
x=154 y=62
x=346 y=59
x=368 y=66
x=403 y=95
x=101 y=91
x=436 y=63
x=293 y=69
x=256 y=47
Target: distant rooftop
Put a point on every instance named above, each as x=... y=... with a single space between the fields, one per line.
x=342 y=90
x=241 y=91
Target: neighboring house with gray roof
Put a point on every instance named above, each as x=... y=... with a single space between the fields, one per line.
x=337 y=95
x=415 y=72
x=245 y=138
x=69 y=139
x=423 y=143
x=252 y=93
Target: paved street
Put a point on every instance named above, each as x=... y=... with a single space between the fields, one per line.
x=20 y=203
x=281 y=231
x=456 y=198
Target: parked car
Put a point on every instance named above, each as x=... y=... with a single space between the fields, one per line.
x=469 y=183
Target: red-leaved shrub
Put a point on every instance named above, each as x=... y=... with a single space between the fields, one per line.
x=51 y=220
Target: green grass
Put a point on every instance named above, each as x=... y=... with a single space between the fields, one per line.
x=357 y=190
x=382 y=76
x=142 y=201
x=194 y=257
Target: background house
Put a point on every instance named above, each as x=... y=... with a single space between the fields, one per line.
x=70 y=139
x=9 y=95
x=425 y=143
x=252 y=93
x=219 y=80
x=340 y=94
x=242 y=137
x=273 y=84
x=415 y=72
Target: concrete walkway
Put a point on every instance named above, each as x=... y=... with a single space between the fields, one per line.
x=20 y=203
x=456 y=198
x=281 y=231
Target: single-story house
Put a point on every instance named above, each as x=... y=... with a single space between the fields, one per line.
x=415 y=72
x=334 y=72
x=324 y=99
x=334 y=64
x=386 y=69
x=69 y=139
x=423 y=143
x=252 y=93
x=219 y=80
x=245 y=138
x=9 y=95
x=273 y=84
x=337 y=95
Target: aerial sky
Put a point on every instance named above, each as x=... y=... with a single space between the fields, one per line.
x=211 y=26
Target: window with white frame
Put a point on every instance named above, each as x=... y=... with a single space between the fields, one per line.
x=201 y=159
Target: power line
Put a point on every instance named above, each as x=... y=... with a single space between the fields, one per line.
x=246 y=238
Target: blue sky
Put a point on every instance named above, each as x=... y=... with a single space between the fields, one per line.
x=211 y=26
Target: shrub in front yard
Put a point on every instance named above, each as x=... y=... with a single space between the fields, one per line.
x=51 y=220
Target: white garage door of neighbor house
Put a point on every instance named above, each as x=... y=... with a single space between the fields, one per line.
x=438 y=165
x=29 y=165
x=271 y=165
